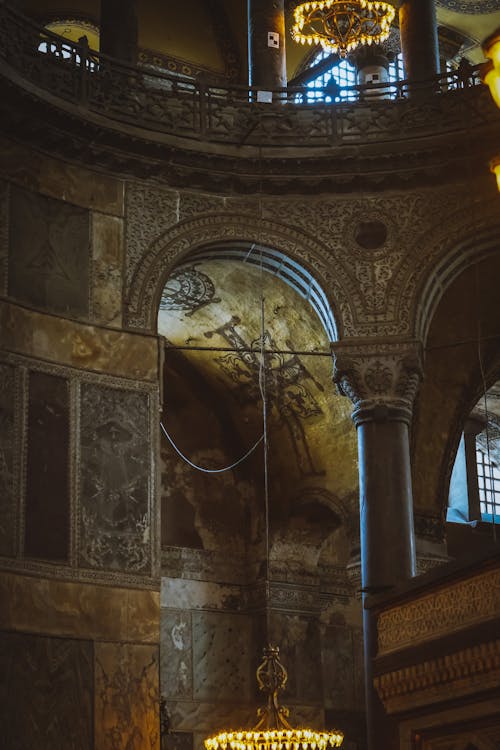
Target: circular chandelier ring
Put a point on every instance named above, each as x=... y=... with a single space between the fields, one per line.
x=342 y=25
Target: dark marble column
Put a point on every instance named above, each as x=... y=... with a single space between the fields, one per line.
x=118 y=29
x=419 y=40
x=266 y=44
x=381 y=380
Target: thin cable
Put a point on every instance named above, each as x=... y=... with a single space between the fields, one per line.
x=201 y=468
x=263 y=393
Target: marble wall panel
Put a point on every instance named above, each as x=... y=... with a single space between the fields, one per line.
x=45 y=693
x=338 y=668
x=115 y=480
x=4 y=234
x=8 y=504
x=300 y=650
x=47 y=510
x=55 y=178
x=178 y=741
x=223 y=654
x=78 y=610
x=181 y=593
x=107 y=258
x=126 y=697
x=176 y=666
x=49 y=253
x=68 y=342
x=208 y=717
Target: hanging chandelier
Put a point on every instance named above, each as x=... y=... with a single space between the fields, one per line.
x=272 y=731
x=342 y=25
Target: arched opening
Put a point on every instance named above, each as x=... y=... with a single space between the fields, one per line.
x=461 y=362
x=239 y=321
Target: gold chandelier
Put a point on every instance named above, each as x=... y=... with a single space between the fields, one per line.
x=490 y=75
x=342 y=25
x=272 y=731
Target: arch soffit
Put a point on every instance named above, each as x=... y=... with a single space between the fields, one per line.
x=175 y=245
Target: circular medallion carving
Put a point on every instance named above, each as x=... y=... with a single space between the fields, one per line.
x=370 y=235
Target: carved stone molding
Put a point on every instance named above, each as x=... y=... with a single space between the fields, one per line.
x=152 y=269
x=454 y=675
x=381 y=379
x=430 y=616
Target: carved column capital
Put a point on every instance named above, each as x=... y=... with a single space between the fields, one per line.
x=381 y=379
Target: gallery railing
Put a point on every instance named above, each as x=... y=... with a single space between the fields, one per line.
x=195 y=108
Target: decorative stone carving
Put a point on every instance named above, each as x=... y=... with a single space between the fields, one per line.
x=150 y=275
x=450 y=676
x=115 y=480
x=380 y=379
x=148 y=213
x=444 y=611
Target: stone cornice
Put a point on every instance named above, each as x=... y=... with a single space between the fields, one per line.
x=439 y=613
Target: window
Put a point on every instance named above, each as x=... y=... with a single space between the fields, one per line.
x=336 y=84
x=73 y=31
x=488 y=478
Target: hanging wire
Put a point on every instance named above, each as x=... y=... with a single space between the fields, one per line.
x=263 y=393
x=201 y=468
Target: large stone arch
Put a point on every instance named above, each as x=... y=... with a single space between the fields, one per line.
x=141 y=305
x=438 y=257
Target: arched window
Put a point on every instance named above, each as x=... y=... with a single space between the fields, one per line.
x=76 y=32
x=341 y=78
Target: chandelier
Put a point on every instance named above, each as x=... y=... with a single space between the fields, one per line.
x=490 y=75
x=272 y=731
x=342 y=25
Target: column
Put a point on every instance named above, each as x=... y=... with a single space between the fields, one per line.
x=119 y=30
x=381 y=380
x=266 y=44
x=419 y=41
x=372 y=65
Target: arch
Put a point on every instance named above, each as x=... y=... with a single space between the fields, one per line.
x=463 y=254
x=436 y=256
x=180 y=241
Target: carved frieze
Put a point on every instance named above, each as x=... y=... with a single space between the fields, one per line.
x=453 y=675
x=439 y=613
x=115 y=480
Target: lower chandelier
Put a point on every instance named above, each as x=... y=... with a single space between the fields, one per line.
x=272 y=731
x=342 y=25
